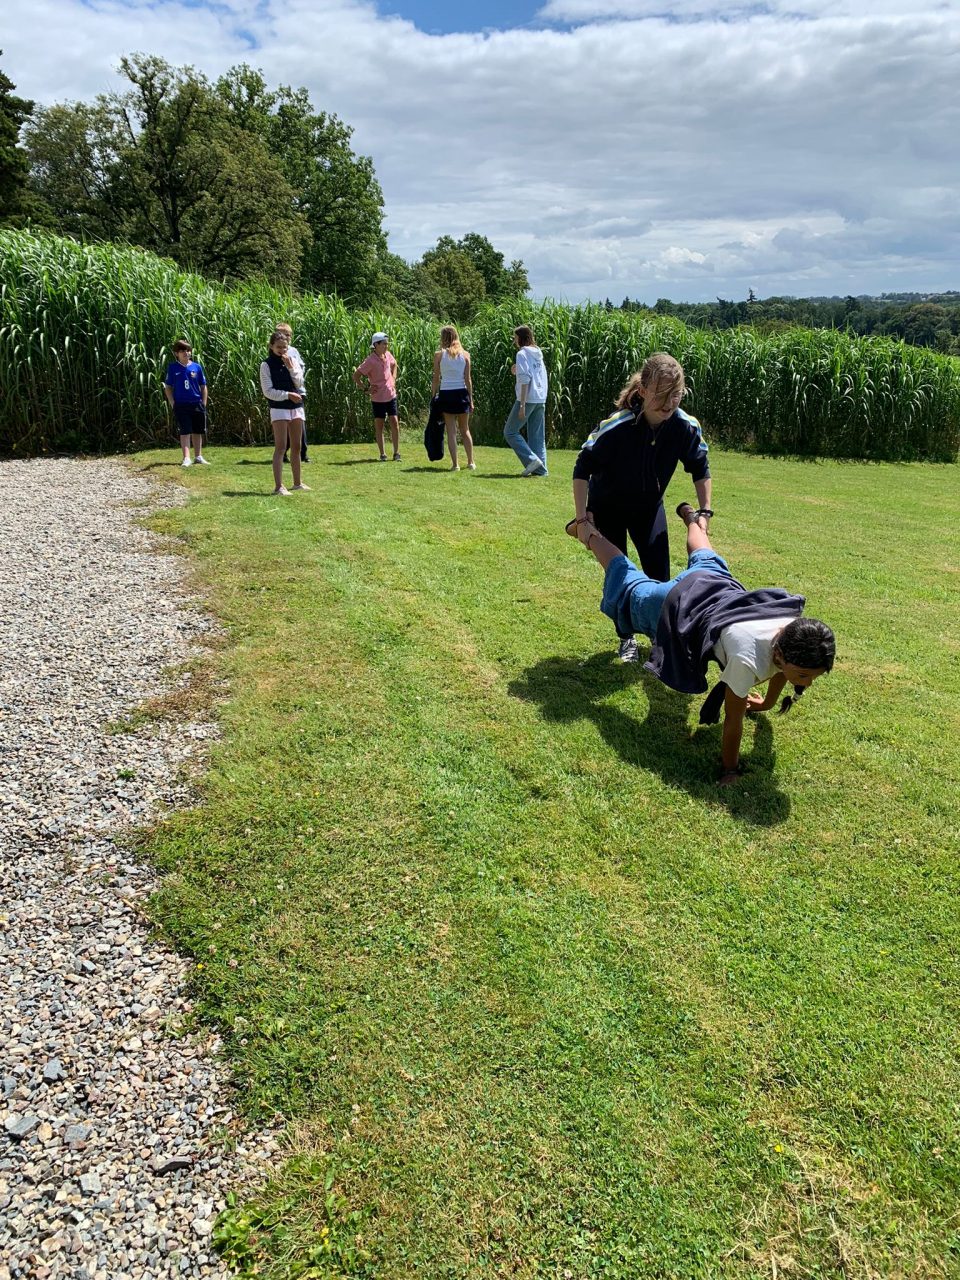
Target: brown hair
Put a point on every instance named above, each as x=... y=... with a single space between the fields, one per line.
x=277 y=336
x=524 y=335
x=660 y=374
x=284 y=328
x=450 y=340
x=181 y=344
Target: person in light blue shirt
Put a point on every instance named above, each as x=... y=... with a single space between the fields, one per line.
x=529 y=408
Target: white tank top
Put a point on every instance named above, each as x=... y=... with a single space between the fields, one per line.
x=451 y=371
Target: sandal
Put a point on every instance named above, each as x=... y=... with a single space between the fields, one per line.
x=573 y=525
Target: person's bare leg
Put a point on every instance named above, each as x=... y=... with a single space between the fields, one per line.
x=185 y=447
x=197 y=446
x=378 y=428
x=602 y=548
x=395 y=434
x=464 y=421
x=450 y=422
x=296 y=431
x=279 y=448
x=697 y=537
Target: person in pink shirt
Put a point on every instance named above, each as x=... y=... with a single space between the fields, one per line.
x=380 y=370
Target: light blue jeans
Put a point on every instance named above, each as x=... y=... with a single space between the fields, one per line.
x=535 y=445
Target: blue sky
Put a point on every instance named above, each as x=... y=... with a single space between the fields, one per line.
x=470 y=15
x=802 y=147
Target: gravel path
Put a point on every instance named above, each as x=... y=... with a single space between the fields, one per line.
x=111 y=1158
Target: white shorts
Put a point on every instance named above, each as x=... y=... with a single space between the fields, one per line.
x=287 y=415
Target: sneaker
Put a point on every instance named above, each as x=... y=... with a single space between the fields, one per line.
x=282 y=492
x=186 y=463
x=471 y=466
x=201 y=461
x=455 y=467
x=301 y=488
x=383 y=457
x=304 y=460
x=628 y=651
x=534 y=467
x=396 y=457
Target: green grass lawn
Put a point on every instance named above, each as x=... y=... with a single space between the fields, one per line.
x=536 y=997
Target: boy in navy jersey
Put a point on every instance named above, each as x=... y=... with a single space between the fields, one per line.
x=185 y=387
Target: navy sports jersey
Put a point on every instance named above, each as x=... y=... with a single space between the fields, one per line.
x=629 y=464
x=187 y=381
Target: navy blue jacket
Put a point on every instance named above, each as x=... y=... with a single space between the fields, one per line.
x=629 y=463
x=694 y=613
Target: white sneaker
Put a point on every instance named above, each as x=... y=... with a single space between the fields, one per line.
x=201 y=461
x=186 y=463
x=533 y=467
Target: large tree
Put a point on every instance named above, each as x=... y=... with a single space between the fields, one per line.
x=165 y=166
x=14 y=166
x=450 y=281
x=335 y=190
x=500 y=281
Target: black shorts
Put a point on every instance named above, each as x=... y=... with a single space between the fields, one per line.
x=454 y=401
x=191 y=419
x=385 y=408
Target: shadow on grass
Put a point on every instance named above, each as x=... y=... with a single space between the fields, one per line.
x=152 y=466
x=502 y=475
x=568 y=689
x=249 y=493
x=358 y=462
x=255 y=462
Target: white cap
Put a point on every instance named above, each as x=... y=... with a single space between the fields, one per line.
x=378 y=337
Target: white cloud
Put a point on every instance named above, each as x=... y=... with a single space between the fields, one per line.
x=813 y=149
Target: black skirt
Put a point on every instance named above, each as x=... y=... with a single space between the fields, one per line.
x=456 y=400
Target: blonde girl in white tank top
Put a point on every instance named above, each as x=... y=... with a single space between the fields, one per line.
x=453 y=383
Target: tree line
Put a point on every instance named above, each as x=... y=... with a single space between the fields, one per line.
x=923 y=320
x=234 y=180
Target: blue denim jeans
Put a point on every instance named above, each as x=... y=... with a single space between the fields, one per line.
x=634 y=602
x=535 y=445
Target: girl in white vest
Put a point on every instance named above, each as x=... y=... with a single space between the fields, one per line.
x=453 y=386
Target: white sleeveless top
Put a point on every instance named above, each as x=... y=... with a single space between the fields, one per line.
x=452 y=370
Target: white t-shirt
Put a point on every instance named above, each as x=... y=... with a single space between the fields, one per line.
x=532 y=373
x=745 y=651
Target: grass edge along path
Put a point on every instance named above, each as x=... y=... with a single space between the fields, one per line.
x=470 y=913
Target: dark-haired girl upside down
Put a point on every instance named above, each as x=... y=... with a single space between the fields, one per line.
x=704 y=613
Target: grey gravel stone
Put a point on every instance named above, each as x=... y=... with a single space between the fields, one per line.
x=19 y=1126
x=97 y=616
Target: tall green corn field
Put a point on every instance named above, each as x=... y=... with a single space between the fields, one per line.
x=85 y=332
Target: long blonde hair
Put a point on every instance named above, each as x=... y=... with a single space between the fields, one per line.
x=660 y=374
x=450 y=340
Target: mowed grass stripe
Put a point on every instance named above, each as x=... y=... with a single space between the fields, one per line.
x=594 y=1013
